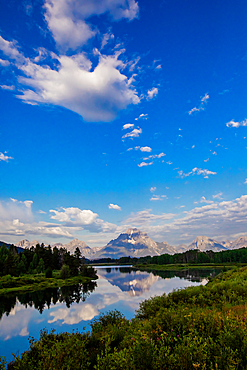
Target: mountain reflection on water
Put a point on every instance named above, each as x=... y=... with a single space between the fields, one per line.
x=73 y=308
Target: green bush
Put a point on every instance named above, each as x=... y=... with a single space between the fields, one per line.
x=48 y=273
x=65 y=273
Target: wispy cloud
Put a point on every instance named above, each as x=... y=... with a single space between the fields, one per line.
x=158 y=197
x=152 y=189
x=142 y=116
x=201 y=107
x=197 y=171
x=143 y=164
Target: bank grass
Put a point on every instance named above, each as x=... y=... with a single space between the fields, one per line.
x=202 y=327
x=186 y=266
x=34 y=282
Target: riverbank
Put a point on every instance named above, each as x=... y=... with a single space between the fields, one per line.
x=202 y=327
x=186 y=266
x=34 y=282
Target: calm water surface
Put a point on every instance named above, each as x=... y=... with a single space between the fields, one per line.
x=72 y=308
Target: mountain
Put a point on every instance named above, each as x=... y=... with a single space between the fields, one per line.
x=203 y=243
x=26 y=244
x=84 y=248
x=134 y=243
x=71 y=246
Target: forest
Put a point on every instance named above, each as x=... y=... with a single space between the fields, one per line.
x=42 y=259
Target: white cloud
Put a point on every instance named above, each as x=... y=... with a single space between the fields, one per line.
x=67 y=19
x=143 y=148
x=4 y=63
x=169 y=162
x=142 y=116
x=114 y=206
x=245 y=181
x=152 y=93
x=204 y=100
x=134 y=133
x=128 y=125
x=143 y=164
x=232 y=123
x=6 y=87
x=217 y=196
x=152 y=189
x=196 y=171
x=158 y=197
x=219 y=220
x=204 y=200
x=4 y=157
x=153 y=156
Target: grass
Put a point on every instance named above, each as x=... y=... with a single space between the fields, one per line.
x=183 y=266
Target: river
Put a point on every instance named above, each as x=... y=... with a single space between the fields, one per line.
x=73 y=308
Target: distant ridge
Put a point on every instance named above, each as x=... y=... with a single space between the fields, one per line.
x=136 y=243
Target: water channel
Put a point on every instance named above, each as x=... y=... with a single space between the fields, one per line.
x=72 y=308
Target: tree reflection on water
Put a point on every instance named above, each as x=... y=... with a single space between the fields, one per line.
x=44 y=298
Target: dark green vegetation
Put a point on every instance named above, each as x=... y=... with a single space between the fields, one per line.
x=201 y=327
x=40 y=267
x=192 y=256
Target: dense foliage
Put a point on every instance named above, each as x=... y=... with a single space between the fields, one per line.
x=191 y=256
x=200 y=327
x=40 y=259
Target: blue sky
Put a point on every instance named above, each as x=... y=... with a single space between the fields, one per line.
x=118 y=114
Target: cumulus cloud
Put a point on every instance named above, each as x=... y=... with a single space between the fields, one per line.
x=134 y=133
x=152 y=189
x=152 y=93
x=85 y=219
x=4 y=157
x=17 y=220
x=68 y=19
x=196 y=171
x=232 y=123
x=201 y=107
x=128 y=125
x=114 y=206
x=89 y=83
x=143 y=148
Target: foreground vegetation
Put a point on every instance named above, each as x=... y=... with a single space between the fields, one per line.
x=201 y=327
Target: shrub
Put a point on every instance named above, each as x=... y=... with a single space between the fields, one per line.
x=64 y=273
x=48 y=273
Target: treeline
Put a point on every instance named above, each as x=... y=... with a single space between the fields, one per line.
x=40 y=259
x=191 y=256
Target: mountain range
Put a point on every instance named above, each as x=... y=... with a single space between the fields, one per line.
x=136 y=243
